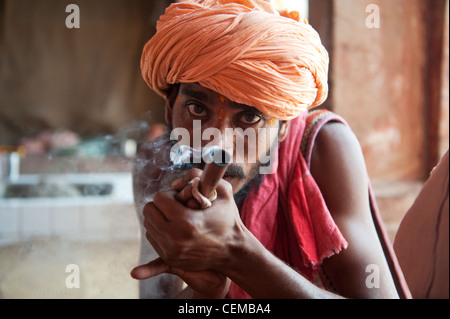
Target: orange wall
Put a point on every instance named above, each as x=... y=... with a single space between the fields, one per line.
x=379 y=84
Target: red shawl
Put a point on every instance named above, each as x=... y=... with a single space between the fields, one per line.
x=288 y=214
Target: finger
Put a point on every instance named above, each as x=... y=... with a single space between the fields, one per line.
x=154 y=239
x=154 y=216
x=184 y=194
x=156 y=226
x=167 y=203
x=193 y=203
x=177 y=184
x=181 y=183
x=151 y=269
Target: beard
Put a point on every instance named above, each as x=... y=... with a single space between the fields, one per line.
x=240 y=196
x=256 y=181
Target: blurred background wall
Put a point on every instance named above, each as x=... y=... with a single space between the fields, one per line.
x=388 y=77
x=84 y=79
x=389 y=80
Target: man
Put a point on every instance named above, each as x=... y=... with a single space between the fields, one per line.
x=290 y=233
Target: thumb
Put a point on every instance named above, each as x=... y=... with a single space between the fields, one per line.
x=151 y=269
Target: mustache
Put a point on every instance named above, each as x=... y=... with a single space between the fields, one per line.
x=235 y=171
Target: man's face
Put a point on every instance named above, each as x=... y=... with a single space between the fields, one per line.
x=241 y=130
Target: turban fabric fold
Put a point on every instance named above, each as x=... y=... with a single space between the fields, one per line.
x=242 y=49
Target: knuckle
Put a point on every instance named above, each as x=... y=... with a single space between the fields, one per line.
x=146 y=209
x=227 y=187
x=158 y=196
x=194 y=172
x=186 y=193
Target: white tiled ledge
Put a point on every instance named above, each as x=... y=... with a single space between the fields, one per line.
x=122 y=191
x=89 y=218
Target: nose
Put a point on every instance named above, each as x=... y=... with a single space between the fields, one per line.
x=218 y=134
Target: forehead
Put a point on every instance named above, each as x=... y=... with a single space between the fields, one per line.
x=209 y=96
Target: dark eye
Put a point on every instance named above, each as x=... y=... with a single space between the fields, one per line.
x=250 y=118
x=196 y=110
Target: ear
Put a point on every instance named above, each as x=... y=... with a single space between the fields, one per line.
x=284 y=129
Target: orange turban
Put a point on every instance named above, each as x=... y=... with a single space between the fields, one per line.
x=242 y=49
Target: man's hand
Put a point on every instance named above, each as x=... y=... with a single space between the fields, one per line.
x=192 y=243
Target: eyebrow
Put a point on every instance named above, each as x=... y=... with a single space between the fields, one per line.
x=195 y=94
x=248 y=108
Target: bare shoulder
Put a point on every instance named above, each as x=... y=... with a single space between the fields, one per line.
x=338 y=166
x=338 y=141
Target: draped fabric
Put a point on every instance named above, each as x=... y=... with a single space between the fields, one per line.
x=244 y=50
x=288 y=213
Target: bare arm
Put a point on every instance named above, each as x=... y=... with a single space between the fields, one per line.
x=262 y=275
x=338 y=167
